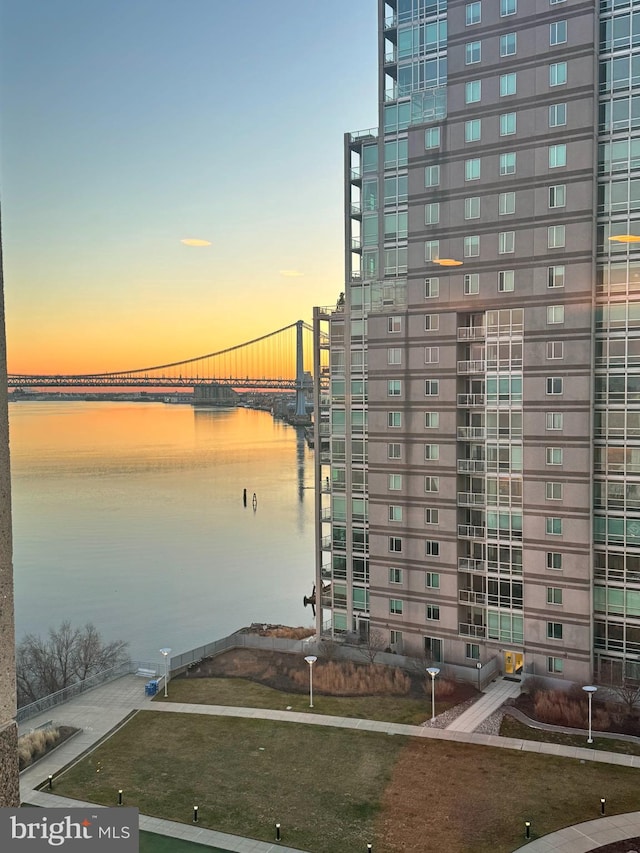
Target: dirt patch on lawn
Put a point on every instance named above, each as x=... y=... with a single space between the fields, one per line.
x=290 y=674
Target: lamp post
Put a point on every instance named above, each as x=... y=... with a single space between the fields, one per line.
x=165 y=654
x=479 y=668
x=590 y=690
x=311 y=659
x=433 y=671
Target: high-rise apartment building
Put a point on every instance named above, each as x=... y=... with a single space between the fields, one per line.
x=478 y=406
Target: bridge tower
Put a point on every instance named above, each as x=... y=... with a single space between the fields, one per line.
x=301 y=409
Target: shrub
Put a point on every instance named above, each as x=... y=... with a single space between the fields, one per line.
x=561 y=709
x=349 y=679
x=35 y=744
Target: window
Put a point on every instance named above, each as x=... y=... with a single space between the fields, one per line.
x=432 y=580
x=508 y=163
x=431 y=176
x=556 y=236
x=432 y=452
x=507 y=124
x=394 y=355
x=508 y=44
x=432 y=612
x=554 y=560
x=395 y=544
x=555 y=349
x=557 y=115
x=557 y=195
x=431 y=355
x=555 y=666
x=506 y=204
x=394 y=451
x=472 y=91
x=555 y=276
x=472 y=13
x=553 y=491
x=431 y=516
x=432 y=484
x=472 y=208
x=472 y=130
x=432 y=137
x=472 y=170
x=431 y=548
x=431 y=420
x=395 y=575
x=472 y=651
x=432 y=250
x=554 y=455
x=432 y=213
x=616 y=2
x=555 y=384
x=394 y=324
x=506 y=281
x=507 y=84
x=395 y=513
x=471 y=247
x=431 y=285
x=557 y=32
x=555 y=314
x=394 y=419
x=553 y=526
x=394 y=482
x=557 y=156
x=395 y=606
x=471 y=283
x=554 y=630
x=431 y=322
x=557 y=73
x=394 y=388
x=553 y=420
x=433 y=648
x=506 y=242
x=507 y=7
x=472 y=52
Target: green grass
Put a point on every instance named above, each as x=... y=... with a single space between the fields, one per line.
x=242 y=693
x=152 y=843
x=333 y=790
x=514 y=728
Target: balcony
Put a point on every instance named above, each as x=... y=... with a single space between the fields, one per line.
x=471 y=466
x=468 y=596
x=325 y=543
x=470 y=400
x=467 y=630
x=471 y=333
x=471 y=498
x=325 y=514
x=356 y=243
x=325 y=572
x=471 y=531
x=390 y=55
x=356 y=208
x=359 y=135
x=473 y=366
x=391 y=22
x=469 y=564
x=465 y=433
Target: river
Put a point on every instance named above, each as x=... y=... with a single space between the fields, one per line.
x=130 y=516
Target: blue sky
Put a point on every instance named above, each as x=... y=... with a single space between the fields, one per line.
x=128 y=125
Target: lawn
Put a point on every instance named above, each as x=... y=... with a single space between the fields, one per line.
x=240 y=692
x=514 y=728
x=335 y=790
x=152 y=843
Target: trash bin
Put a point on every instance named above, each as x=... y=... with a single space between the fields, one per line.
x=151 y=688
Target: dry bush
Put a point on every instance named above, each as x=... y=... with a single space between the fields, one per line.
x=284 y=632
x=444 y=687
x=559 y=708
x=328 y=648
x=34 y=744
x=533 y=685
x=348 y=679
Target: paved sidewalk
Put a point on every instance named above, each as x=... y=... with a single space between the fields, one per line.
x=101 y=710
x=496 y=693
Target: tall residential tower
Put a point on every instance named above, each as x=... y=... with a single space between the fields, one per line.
x=478 y=415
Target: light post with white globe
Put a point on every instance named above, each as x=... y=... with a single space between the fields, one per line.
x=433 y=671
x=165 y=654
x=590 y=690
x=311 y=659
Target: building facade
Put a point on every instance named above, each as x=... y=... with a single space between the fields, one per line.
x=478 y=406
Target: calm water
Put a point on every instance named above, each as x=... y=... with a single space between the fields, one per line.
x=130 y=515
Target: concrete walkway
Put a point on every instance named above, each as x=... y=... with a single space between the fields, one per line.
x=494 y=696
x=587 y=836
x=105 y=708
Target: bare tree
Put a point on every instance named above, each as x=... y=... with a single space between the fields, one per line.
x=372 y=645
x=626 y=693
x=66 y=656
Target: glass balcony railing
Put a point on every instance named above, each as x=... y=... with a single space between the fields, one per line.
x=469 y=564
x=471 y=531
x=471 y=432
x=471 y=498
x=467 y=630
x=469 y=400
x=474 y=366
x=471 y=333
x=369 y=133
x=471 y=466
x=468 y=596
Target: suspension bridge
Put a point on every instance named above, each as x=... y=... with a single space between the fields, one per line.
x=276 y=361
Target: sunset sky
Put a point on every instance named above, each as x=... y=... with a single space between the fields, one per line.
x=127 y=126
